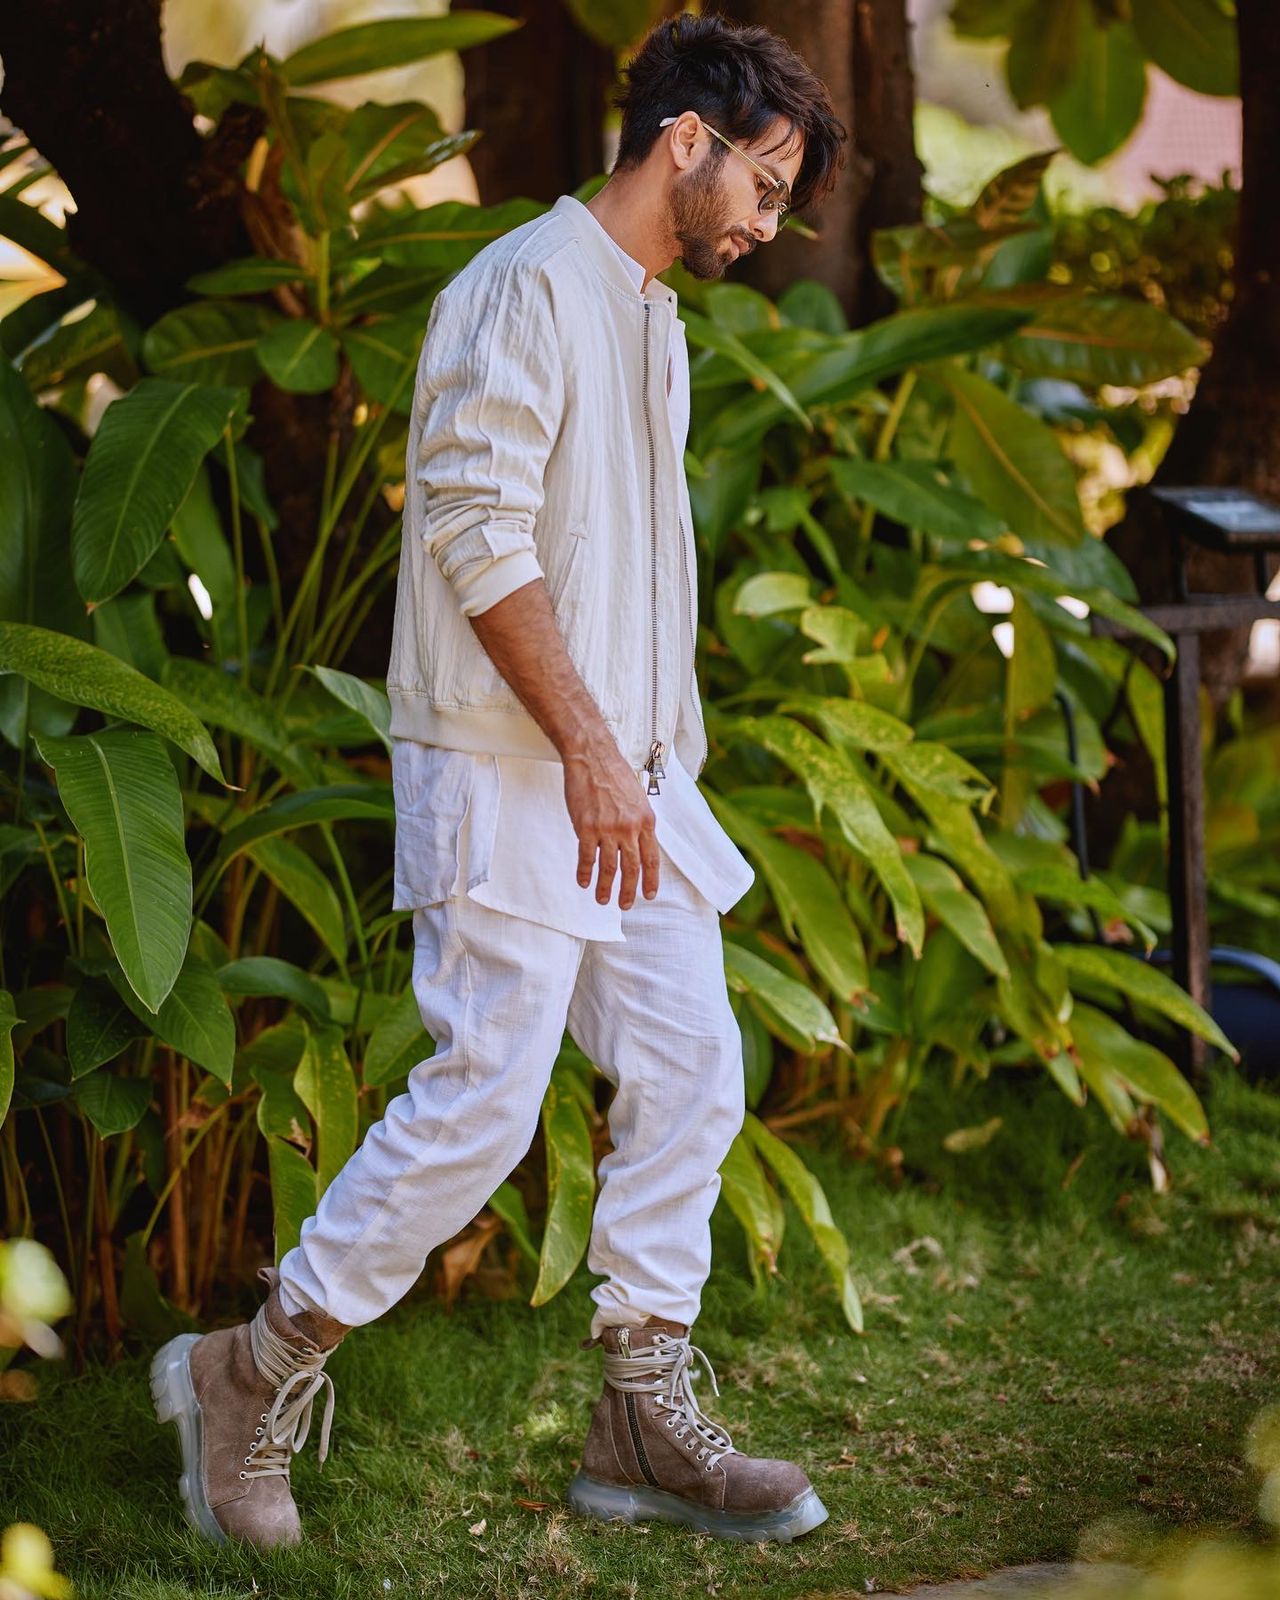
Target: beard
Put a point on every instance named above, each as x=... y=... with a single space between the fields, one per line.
x=699 y=220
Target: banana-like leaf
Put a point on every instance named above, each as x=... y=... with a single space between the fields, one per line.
x=268 y=975
x=398 y=1041
x=1194 y=41
x=293 y=1193
x=1101 y=339
x=85 y=675
x=835 y=782
x=326 y=1085
x=122 y=795
x=209 y=342
x=1147 y=985
x=1012 y=460
x=710 y=336
x=808 y=899
x=1102 y=1045
x=571 y=1189
x=953 y=905
x=917 y=495
x=393 y=42
x=809 y=1199
x=299 y=356
x=140 y=466
x=99 y=1026
x=334 y=803
x=792 y=1002
x=9 y=1018
x=112 y=1102
x=194 y=1018
x=757 y=1206
x=361 y=697
x=306 y=887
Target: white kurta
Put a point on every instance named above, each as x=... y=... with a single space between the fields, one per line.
x=496 y=826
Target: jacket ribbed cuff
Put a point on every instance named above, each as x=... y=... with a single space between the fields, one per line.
x=496 y=579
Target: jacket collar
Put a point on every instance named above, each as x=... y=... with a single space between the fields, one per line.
x=602 y=254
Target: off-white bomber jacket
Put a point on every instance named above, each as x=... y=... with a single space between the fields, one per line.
x=540 y=445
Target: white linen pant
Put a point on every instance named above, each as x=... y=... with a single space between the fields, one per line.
x=496 y=992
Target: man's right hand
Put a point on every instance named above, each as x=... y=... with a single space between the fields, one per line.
x=613 y=820
x=607 y=806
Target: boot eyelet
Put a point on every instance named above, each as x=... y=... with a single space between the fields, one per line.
x=671 y=1422
x=244 y=1474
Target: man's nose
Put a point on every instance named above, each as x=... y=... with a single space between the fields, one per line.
x=765 y=225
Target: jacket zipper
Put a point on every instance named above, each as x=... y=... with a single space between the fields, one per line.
x=653 y=766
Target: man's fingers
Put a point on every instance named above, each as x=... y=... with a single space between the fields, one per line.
x=630 y=872
x=608 y=867
x=649 y=862
x=586 y=861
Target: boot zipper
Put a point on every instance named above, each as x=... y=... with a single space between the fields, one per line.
x=653 y=766
x=629 y=1400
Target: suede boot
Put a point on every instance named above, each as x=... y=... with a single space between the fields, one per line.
x=651 y=1452
x=241 y=1398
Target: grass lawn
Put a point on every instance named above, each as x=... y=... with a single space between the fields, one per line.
x=1037 y=1359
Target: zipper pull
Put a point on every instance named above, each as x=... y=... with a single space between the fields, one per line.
x=653 y=766
x=624 y=1339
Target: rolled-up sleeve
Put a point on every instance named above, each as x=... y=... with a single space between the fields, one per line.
x=490 y=396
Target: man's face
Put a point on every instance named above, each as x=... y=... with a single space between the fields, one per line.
x=715 y=204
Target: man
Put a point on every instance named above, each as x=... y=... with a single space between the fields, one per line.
x=547 y=731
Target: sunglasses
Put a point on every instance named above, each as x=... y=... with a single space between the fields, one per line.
x=779 y=196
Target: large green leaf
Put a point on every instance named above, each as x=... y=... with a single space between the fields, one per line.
x=1194 y=41
x=854 y=362
x=570 y=1189
x=766 y=593
x=808 y=899
x=710 y=336
x=917 y=495
x=326 y=1085
x=140 y=466
x=8 y=1018
x=365 y=699
x=1146 y=984
x=81 y=673
x=398 y=1042
x=385 y=144
x=835 y=782
x=334 y=803
x=508 y=1203
x=99 y=1026
x=1101 y=104
x=299 y=356
x=440 y=238
x=393 y=42
x=194 y=1018
x=1103 y=1046
x=112 y=1102
x=122 y=795
x=953 y=905
x=809 y=1199
x=795 y=1005
x=1043 y=50
x=756 y=1204
x=616 y=23
x=209 y=342
x=293 y=1193
x=306 y=887
x=1012 y=460
x=1101 y=339
x=37 y=491
x=269 y=975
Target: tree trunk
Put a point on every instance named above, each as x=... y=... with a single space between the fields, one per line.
x=1230 y=435
x=862 y=52
x=539 y=96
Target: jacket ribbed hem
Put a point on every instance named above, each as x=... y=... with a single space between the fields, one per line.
x=503 y=733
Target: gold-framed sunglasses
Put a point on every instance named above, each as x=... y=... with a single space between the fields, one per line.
x=779 y=196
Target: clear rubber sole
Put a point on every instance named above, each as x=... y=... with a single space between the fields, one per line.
x=640 y=1502
x=175 y=1401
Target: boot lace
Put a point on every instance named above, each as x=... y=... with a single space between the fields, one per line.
x=666 y=1370
x=299 y=1377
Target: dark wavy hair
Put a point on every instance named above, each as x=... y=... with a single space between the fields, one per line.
x=741 y=78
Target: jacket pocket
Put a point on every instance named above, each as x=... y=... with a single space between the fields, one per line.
x=560 y=580
x=432 y=786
